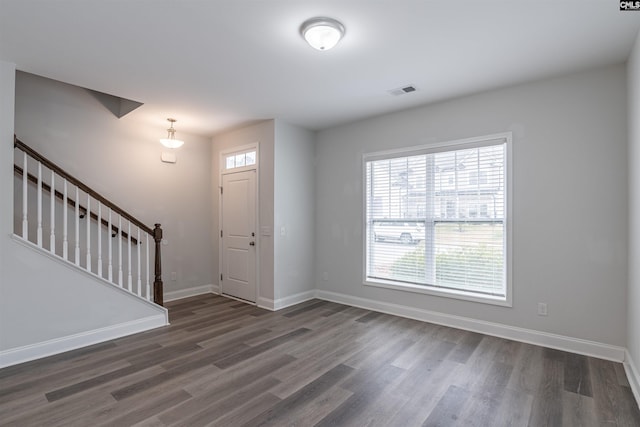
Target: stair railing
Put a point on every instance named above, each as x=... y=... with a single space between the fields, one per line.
x=127 y=267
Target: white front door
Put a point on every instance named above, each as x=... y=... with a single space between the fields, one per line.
x=239 y=235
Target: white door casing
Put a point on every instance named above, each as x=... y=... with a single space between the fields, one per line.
x=238 y=261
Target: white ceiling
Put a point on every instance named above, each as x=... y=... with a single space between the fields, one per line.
x=214 y=64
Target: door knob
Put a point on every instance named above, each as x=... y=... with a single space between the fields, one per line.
x=252 y=243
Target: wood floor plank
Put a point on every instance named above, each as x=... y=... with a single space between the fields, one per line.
x=448 y=408
x=50 y=364
x=245 y=412
x=577 y=378
x=76 y=388
x=305 y=370
x=486 y=397
x=234 y=399
x=547 y=409
x=254 y=351
x=224 y=363
x=465 y=347
x=421 y=389
x=217 y=387
x=277 y=415
x=315 y=305
x=515 y=409
x=612 y=400
x=527 y=370
x=144 y=410
x=52 y=381
x=579 y=410
x=165 y=376
x=621 y=375
x=366 y=390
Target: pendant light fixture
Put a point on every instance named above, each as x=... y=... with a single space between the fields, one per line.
x=170 y=141
x=322 y=33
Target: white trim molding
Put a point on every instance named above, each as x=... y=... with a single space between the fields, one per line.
x=285 y=302
x=266 y=303
x=530 y=336
x=280 y=303
x=60 y=345
x=633 y=375
x=191 y=292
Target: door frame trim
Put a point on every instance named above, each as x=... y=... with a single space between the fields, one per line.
x=223 y=171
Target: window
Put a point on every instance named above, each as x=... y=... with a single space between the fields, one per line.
x=239 y=160
x=437 y=219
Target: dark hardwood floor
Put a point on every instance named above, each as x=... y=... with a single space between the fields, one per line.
x=225 y=363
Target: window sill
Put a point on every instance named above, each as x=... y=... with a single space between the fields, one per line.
x=445 y=293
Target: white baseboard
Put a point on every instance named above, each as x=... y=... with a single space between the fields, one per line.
x=545 y=339
x=266 y=303
x=191 y=292
x=294 y=299
x=285 y=302
x=60 y=345
x=633 y=375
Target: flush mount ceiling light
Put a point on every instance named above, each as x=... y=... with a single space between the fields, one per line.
x=170 y=141
x=322 y=33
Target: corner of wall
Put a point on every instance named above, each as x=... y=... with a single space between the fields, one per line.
x=633 y=289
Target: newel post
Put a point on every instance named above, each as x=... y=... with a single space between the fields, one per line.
x=157 y=284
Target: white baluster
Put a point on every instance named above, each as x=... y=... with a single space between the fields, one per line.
x=129 y=278
x=87 y=217
x=139 y=278
x=77 y=254
x=120 y=250
x=148 y=281
x=65 y=242
x=99 y=239
x=52 y=237
x=39 y=231
x=25 y=200
x=110 y=268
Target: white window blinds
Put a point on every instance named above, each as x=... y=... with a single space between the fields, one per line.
x=437 y=218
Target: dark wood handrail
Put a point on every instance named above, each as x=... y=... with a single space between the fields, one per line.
x=83 y=211
x=75 y=181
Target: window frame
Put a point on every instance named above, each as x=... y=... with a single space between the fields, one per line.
x=480 y=141
x=236 y=152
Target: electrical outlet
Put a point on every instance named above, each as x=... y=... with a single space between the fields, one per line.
x=325 y=276
x=542 y=309
x=174 y=276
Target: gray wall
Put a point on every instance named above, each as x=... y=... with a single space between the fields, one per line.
x=633 y=310
x=40 y=299
x=569 y=200
x=120 y=158
x=264 y=134
x=294 y=189
x=286 y=199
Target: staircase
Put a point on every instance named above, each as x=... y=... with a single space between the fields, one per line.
x=83 y=270
x=63 y=216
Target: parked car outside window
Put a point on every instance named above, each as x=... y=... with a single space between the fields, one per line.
x=397 y=231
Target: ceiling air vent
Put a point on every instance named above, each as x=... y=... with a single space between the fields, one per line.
x=402 y=90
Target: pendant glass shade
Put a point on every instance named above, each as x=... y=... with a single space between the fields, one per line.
x=170 y=141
